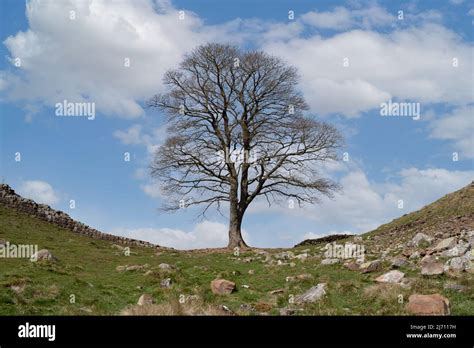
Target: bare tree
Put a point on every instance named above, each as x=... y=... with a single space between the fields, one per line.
x=237 y=131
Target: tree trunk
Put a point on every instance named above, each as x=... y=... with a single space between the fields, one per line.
x=235 y=235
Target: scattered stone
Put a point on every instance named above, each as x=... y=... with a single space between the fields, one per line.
x=145 y=299
x=353 y=266
x=428 y=304
x=458 y=264
x=447 y=243
x=371 y=266
x=301 y=257
x=398 y=261
x=415 y=255
x=43 y=254
x=312 y=295
x=457 y=250
x=390 y=277
x=120 y=268
x=222 y=287
x=236 y=273
x=245 y=286
x=430 y=266
x=136 y=267
x=277 y=291
x=285 y=255
x=330 y=261
x=455 y=287
x=166 y=283
x=251 y=271
x=290 y=278
x=357 y=239
x=118 y=247
x=292 y=264
x=247 y=307
x=287 y=311
x=421 y=237
x=164 y=266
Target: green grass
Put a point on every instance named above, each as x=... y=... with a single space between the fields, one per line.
x=86 y=268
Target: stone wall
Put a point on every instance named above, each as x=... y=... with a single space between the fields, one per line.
x=9 y=198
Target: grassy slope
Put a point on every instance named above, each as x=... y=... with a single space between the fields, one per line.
x=431 y=218
x=86 y=268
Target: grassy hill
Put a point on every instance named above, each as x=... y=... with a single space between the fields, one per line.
x=87 y=269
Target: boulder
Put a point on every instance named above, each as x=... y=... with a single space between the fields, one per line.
x=222 y=287
x=301 y=257
x=353 y=266
x=164 y=266
x=330 y=261
x=430 y=266
x=285 y=255
x=420 y=237
x=390 y=277
x=371 y=266
x=43 y=254
x=458 y=264
x=447 y=243
x=312 y=295
x=428 y=305
x=457 y=250
x=398 y=261
x=166 y=283
x=145 y=299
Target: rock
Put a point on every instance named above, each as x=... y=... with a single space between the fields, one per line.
x=222 y=287
x=415 y=255
x=247 y=307
x=251 y=272
x=432 y=267
x=120 y=268
x=330 y=261
x=457 y=264
x=447 y=243
x=457 y=250
x=145 y=299
x=455 y=287
x=398 y=261
x=420 y=237
x=166 y=283
x=164 y=266
x=390 y=277
x=428 y=304
x=285 y=255
x=287 y=311
x=371 y=266
x=312 y=295
x=301 y=257
x=292 y=264
x=277 y=291
x=43 y=254
x=353 y=266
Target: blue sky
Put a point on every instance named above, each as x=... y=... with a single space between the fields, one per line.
x=425 y=58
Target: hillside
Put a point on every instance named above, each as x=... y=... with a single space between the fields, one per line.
x=96 y=277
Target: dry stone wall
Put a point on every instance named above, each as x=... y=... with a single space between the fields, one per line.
x=9 y=198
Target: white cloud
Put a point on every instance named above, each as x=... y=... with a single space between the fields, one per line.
x=206 y=234
x=457 y=126
x=343 y=18
x=85 y=57
x=410 y=63
x=39 y=191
